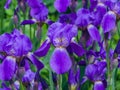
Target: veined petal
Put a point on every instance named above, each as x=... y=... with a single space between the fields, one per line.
x=28 y=76
x=94 y=33
x=91 y=71
x=60 y=61
x=35 y=61
x=77 y=49
x=98 y=85
x=7 y=68
x=109 y=21
x=42 y=51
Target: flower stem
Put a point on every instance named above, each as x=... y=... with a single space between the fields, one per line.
x=51 y=80
x=108 y=66
x=59 y=82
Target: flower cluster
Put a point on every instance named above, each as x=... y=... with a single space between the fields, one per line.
x=80 y=39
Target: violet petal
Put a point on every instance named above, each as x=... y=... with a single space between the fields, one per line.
x=60 y=61
x=94 y=33
x=109 y=21
x=8 y=65
x=42 y=51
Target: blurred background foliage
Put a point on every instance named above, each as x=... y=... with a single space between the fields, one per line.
x=7 y=25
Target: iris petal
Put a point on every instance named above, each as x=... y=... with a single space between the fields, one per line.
x=60 y=61
x=35 y=61
x=61 y=5
x=99 y=86
x=94 y=33
x=42 y=51
x=77 y=49
x=109 y=21
x=7 y=68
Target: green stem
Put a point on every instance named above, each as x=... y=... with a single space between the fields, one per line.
x=59 y=82
x=30 y=32
x=113 y=78
x=108 y=66
x=118 y=30
x=51 y=80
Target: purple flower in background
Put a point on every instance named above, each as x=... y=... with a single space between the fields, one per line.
x=84 y=22
x=38 y=10
x=60 y=35
x=74 y=78
x=61 y=5
x=109 y=21
x=96 y=73
x=15 y=47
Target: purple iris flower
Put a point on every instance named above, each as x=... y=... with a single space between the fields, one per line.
x=15 y=47
x=110 y=18
x=61 y=36
x=38 y=10
x=61 y=5
x=96 y=73
x=84 y=22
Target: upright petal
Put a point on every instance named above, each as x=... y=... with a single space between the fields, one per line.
x=98 y=85
x=109 y=21
x=60 y=61
x=7 y=68
x=94 y=33
x=61 y=5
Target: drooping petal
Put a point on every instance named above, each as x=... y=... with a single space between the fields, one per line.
x=25 y=22
x=109 y=21
x=94 y=33
x=98 y=85
x=7 y=4
x=42 y=51
x=117 y=49
x=60 y=61
x=35 y=61
x=61 y=5
x=7 y=68
x=77 y=49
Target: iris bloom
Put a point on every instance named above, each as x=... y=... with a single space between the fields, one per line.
x=61 y=36
x=84 y=22
x=96 y=73
x=14 y=47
